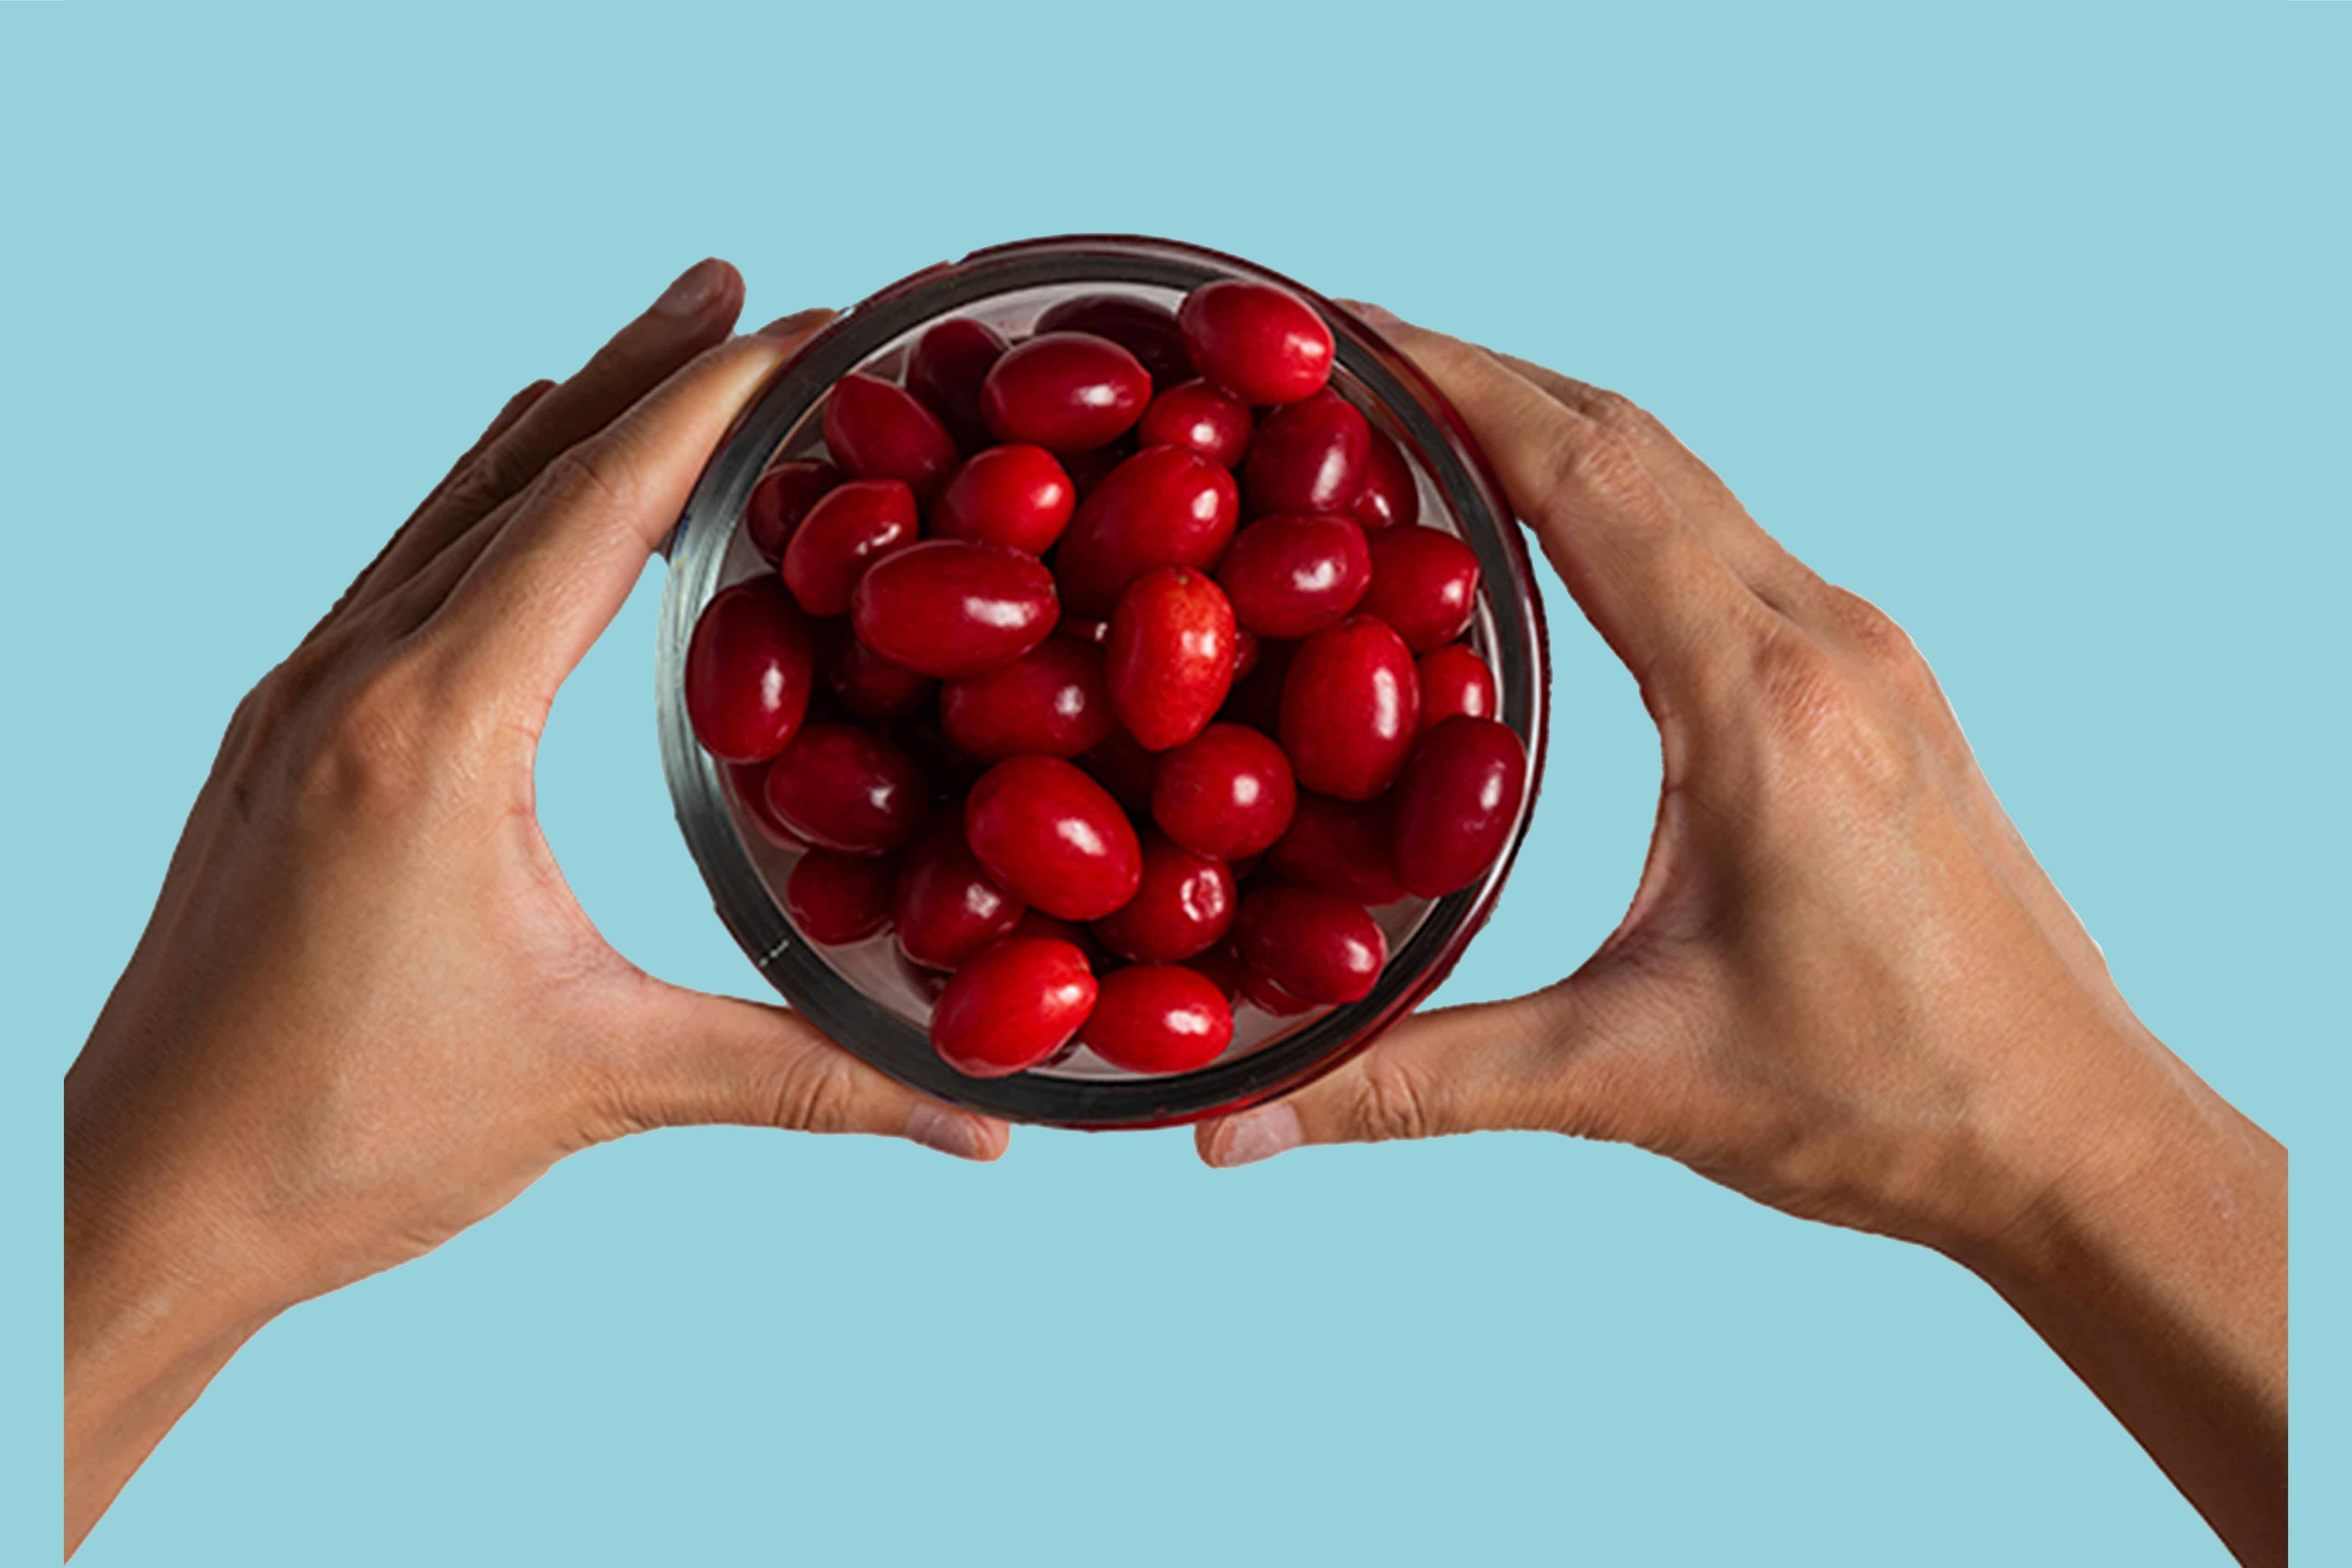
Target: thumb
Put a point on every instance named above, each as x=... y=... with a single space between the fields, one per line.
x=1530 y=1064
x=714 y=1059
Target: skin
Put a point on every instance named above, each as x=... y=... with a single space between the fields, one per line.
x=367 y=1012
x=1844 y=987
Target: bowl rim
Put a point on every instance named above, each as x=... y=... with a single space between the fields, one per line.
x=796 y=969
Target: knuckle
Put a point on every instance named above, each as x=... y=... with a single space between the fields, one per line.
x=1595 y=469
x=1616 y=413
x=1822 y=718
x=1391 y=1104
x=817 y=1094
x=380 y=738
x=1871 y=630
x=589 y=475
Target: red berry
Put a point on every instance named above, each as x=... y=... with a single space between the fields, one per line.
x=1390 y=498
x=1183 y=905
x=1316 y=946
x=1054 y=837
x=1425 y=583
x=748 y=671
x=1292 y=577
x=880 y=431
x=1065 y=392
x=949 y=362
x=840 y=899
x=1198 y=416
x=853 y=526
x=947 y=608
x=1014 y=495
x=1309 y=456
x=1166 y=506
x=946 y=907
x=781 y=498
x=1260 y=992
x=749 y=782
x=1052 y=699
x=1169 y=660
x=1338 y=846
x=1261 y=343
x=1159 y=1018
x=1457 y=802
x=1146 y=331
x=1454 y=680
x=1012 y=1006
x=1227 y=793
x=1350 y=707
x=841 y=787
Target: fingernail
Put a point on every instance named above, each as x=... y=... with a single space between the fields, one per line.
x=949 y=1132
x=1258 y=1136
x=796 y=323
x=695 y=290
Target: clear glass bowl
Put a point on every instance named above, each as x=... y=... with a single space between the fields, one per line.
x=866 y=995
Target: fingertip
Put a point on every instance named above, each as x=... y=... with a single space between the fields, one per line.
x=1252 y=1136
x=982 y=1139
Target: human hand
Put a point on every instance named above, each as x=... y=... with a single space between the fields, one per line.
x=367 y=1011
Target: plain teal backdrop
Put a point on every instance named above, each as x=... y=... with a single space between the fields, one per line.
x=2029 y=322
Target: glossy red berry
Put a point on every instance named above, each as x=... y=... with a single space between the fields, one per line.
x=1183 y=905
x=841 y=787
x=1012 y=1006
x=1389 y=498
x=1261 y=993
x=1311 y=456
x=1146 y=331
x=1054 y=837
x=1166 y=506
x=1159 y=1018
x=1454 y=680
x=748 y=671
x=1196 y=415
x=947 y=608
x=837 y=898
x=1316 y=946
x=1169 y=660
x=748 y=781
x=878 y=430
x=782 y=498
x=1292 y=577
x=1457 y=802
x=1425 y=583
x=1351 y=707
x=1065 y=392
x=1341 y=847
x=1226 y=792
x=945 y=369
x=946 y=907
x=1052 y=699
x=1261 y=343
x=855 y=525
x=1014 y=495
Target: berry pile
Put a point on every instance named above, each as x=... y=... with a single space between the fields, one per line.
x=1028 y=692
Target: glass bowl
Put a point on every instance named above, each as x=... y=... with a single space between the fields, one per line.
x=866 y=995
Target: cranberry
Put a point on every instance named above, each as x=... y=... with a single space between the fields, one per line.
x=1339 y=847
x=946 y=907
x=1184 y=905
x=878 y=431
x=1309 y=457
x=1260 y=992
x=1121 y=765
x=839 y=899
x=872 y=687
x=842 y=536
x=781 y=498
x=949 y=362
x=748 y=671
x=750 y=784
x=1316 y=946
x=1292 y=577
x=1012 y=1006
x=1053 y=837
x=1454 y=680
x=1256 y=700
x=1226 y=792
x=1246 y=644
x=1261 y=343
x=1146 y=331
x=1158 y=1017
x=1425 y=583
x=1350 y=705
x=947 y=608
x=1198 y=416
x=1170 y=661
x=1014 y=495
x=1065 y=392
x=1097 y=632
x=841 y=787
x=1455 y=803
x=1390 y=498
x=1166 y=506
x=1052 y=699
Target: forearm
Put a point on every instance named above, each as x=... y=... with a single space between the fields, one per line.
x=2155 y=1263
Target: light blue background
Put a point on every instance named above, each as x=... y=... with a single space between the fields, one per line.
x=2029 y=322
